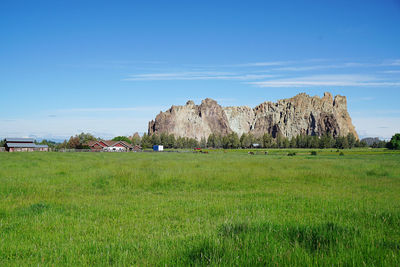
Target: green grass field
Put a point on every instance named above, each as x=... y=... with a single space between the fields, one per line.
x=200 y=209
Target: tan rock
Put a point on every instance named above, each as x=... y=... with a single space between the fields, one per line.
x=300 y=114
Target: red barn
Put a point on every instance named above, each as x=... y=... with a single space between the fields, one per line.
x=23 y=145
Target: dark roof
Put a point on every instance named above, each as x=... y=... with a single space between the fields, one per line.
x=109 y=143
x=25 y=140
x=113 y=143
x=27 y=145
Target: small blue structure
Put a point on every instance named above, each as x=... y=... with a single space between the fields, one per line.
x=158 y=148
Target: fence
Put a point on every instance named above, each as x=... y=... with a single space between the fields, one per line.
x=123 y=151
x=90 y=150
x=2 y=149
x=76 y=150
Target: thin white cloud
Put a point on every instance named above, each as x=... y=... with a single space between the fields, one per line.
x=326 y=80
x=392 y=62
x=273 y=69
x=367 y=98
x=150 y=108
x=391 y=71
x=380 y=112
x=260 y=64
x=328 y=66
x=196 y=76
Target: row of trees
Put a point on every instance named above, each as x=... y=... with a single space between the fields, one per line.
x=231 y=140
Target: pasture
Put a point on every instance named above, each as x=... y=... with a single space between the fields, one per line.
x=200 y=209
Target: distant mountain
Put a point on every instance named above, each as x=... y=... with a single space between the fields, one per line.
x=370 y=141
x=56 y=140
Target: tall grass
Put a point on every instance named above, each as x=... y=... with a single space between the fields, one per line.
x=200 y=209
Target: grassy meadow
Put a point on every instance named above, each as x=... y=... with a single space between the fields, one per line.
x=201 y=209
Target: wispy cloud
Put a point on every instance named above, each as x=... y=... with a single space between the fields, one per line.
x=327 y=66
x=260 y=64
x=196 y=76
x=380 y=112
x=392 y=62
x=367 y=98
x=391 y=71
x=106 y=109
x=266 y=73
x=326 y=80
x=116 y=64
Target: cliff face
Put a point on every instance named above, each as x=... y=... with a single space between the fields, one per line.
x=300 y=114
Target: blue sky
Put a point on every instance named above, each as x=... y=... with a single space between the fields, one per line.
x=108 y=67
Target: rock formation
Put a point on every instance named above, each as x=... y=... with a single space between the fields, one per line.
x=300 y=114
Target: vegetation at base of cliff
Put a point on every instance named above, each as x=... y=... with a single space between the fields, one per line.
x=180 y=209
x=232 y=140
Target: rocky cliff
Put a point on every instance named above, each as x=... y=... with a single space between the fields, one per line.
x=301 y=114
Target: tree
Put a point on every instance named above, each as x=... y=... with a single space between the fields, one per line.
x=218 y=141
x=203 y=142
x=122 y=138
x=164 y=140
x=246 y=140
x=155 y=139
x=214 y=141
x=62 y=145
x=327 y=141
x=146 y=141
x=380 y=144
x=267 y=141
x=136 y=140
x=281 y=141
x=345 y=143
x=171 y=141
x=394 y=143
x=292 y=142
x=80 y=141
x=362 y=144
x=86 y=137
x=341 y=142
x=211 y=140
x=314 y=143
x=242 y=140
x=301 y=141
x=180 y=142
x=2 y=143
x=234 y=141
x=285 y=142
x=191 y=143
x=351 y=140
x=225 y=141
x=73 y=142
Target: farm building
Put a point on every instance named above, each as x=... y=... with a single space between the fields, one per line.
x=109 y=145
x=23 y=145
